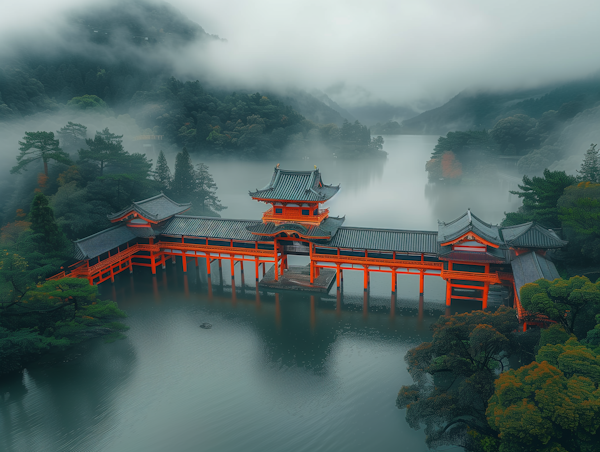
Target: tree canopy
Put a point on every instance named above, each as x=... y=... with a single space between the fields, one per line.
x=454 y=375
x=564 y=301
x=551 y=404
x=540 y=197
x=39 y=146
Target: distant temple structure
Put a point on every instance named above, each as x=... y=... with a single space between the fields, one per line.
x=467 y=252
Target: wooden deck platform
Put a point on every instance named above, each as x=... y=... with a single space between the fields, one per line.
x=298 y=278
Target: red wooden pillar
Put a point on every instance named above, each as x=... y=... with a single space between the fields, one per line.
x=256 y=265
x=366 y=278
x=394 y=278
x=486 y=291
x=232 y=269
x=242 y=267
x=184 y=262
x=153 y=262
x=421 y=281
x=130 y=265
x=337 y=275
x=276 y=269
x=208 y=265
x=196 y=258
x=448 y=292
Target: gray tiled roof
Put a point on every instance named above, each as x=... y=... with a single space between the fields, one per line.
x=465 y=223
x=530 y=267
x=531 y=235
x=386 y=240
x=492 y=255
x=296 y=186
x=103 y=241
x=210 y=227
x=327 y=228
x=157 y=208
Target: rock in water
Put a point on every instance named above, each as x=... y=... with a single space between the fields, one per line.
x=206 y=326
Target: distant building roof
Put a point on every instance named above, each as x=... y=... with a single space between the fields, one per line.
x=103 y=241
x=296 y=186
x=385 y=240
x=327 y=228
x=531 y=235
x=468 y=223
x=157 y=208
x=530 y=267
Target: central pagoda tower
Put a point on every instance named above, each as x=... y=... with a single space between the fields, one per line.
x=296 y=198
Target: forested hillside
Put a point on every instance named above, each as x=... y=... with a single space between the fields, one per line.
x=119 y=59
x=482 y=110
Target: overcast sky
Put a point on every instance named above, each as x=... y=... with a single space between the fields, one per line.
x=401 y=51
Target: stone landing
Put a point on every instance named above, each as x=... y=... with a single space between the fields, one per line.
x=298 y=278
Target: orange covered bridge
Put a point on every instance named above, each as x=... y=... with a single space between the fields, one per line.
x=470 y=254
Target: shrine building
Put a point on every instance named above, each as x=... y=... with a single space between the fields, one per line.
x=468 y=253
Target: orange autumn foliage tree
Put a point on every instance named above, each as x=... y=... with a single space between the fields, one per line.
x=42 y=180
x=451 y=167
x=553 y=404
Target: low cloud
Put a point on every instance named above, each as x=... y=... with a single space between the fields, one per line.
x=401 y=52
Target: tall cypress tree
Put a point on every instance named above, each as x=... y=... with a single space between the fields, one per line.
x=590 y=168
x=43 y=222
x=163 y=174
x=184 y=180
x=206 y=193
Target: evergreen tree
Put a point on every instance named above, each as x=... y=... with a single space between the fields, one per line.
x=184 y=180
x=540 y=197
x=110 y=137
x=590 y=168
x=43 y=223
x=39 y=146
x=106 y=148
x=206 y=199
x=163 y=174
x=72 y=135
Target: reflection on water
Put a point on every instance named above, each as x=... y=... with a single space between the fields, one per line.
x=277 y=371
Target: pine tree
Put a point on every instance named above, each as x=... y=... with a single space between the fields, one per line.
x=163 y=174
x=109 y=136
x=72 y=135
x=183 y=185
x=43 y=222
x=206 y=200
x=106 y=148
x=39 y=146
x=590 y=168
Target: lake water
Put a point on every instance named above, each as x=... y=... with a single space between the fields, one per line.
x=277 y=371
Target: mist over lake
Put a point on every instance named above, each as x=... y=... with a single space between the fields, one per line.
x=295 y=372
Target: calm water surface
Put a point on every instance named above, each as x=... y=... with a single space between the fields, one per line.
x=276 y=372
